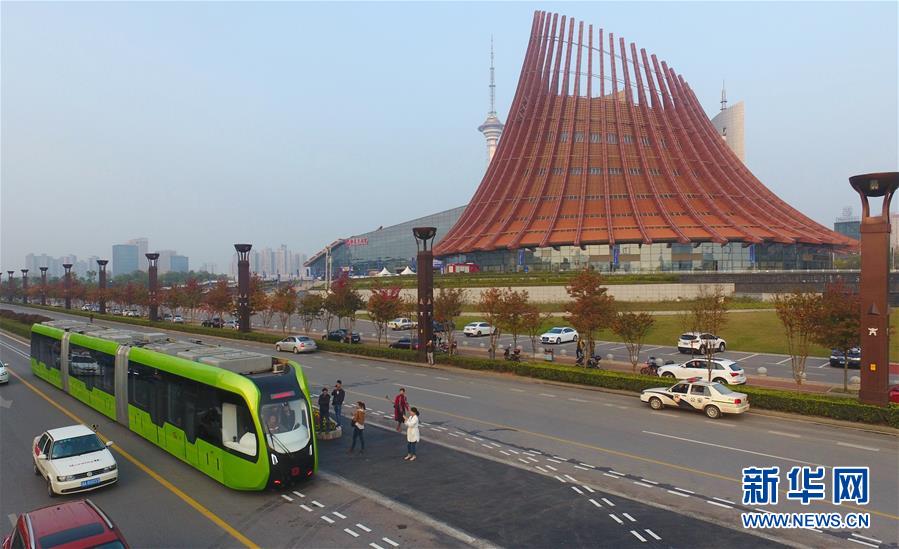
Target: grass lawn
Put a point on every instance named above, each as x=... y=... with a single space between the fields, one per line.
x=649 y=306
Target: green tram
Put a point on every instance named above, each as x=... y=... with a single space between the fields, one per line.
x=244 y=419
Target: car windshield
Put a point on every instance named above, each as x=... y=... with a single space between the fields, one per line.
x=722 y=390
x=687 y=337
x=286 y=424
x=556 y=331
x=76 y=446
x=72 y=535
x=82 y=359
x=303 y=338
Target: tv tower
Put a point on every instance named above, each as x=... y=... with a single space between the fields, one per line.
x=492 y=128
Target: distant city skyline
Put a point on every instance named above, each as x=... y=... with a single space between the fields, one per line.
x=195 y=124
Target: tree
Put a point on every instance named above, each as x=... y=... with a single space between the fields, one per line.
x=591 y=308
x=172 y=298
x=514 y=307
x=193 y=296
x=284 y=303
x=532 y=322
x=633 y=328
x=218 y=299
x=310 y=308
x=384 y=304
x=709 y=315
x=491 y=307
x=838 y=322
x=798 y=312
x=344 y=301
x=447 y=308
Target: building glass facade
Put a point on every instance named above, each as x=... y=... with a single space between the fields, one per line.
x=125 y=259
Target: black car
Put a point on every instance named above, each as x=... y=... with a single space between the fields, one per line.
x=855 y=358
x=341 y=335
x=405 y=343
x=214 y=322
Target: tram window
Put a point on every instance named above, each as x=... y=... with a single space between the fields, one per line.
x=238 y=430
x=94 y=368
x=140 y=386
x=46 y=349
x=175 y=408
x=209 y=415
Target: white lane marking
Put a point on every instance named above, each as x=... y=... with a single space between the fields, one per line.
x=596 y=503
x=581 y=468
x=614 y=472
x=553 y=460
x=781 y=433
x=610 y=476
x=848 y=445
x=327 y=519
x=551 y=468
x=684 y=490
x=763 y=511
x=560 y=458
x=588 y=465
x=487 y=446
x=374 y=545
x=442 y=378
x=523 y=461
x=745 y=357
x=470 y=440
x=715 y=503
x=719 y=423
x=363 y=527
x=350 y=532
x=305 y=507
x=299 y=494
x=587 y=488
x=560 y=479
x=338 y=515
x=531 y=459
x=497 y=445
x=541 y=469
x=861 y=542
x=678 y=494
x=784 y=361
x=505 y=453
x=644 y=485
x=317 y=504
x=578 y=490
x=513 y=451
x=724 y=500
x=610 y=405
x=618 y=520
x=816 y=530
x=479 y=439
x=453 y=434
x=607 y=502
x=578 y=400
x=730 y=448
x=391 y=542
x=628 y=517
x=546 y=395
x=638 y=536
x=653 y=534
x=285 y=496
x=432 y=390
x=422 y=375
x=865 y=537
x=439 y=428
x=571 y=478
x=381 y=367
x=517 y=390
x=649 y=481
x=401 y=371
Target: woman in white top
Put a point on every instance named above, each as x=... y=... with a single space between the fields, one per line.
x=412 y=435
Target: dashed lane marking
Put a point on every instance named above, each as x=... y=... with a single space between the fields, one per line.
x=298 y=494
x=285 y=496
x=513 y=451
x=607 y=502
x=338 y=515
x=578 y=490
x=571 y=478
x=628 y=517
x=350 y=532
x=541 y=469
x=497 y=445
x=374 y=545
x=643 y=485
x=791 y=460
x=781 y=433
x=649 y=481
x=553 y=460
x=523 y=461
x=400 y=371
x=305 y=507
x=578 y=400
x=724 y=500
x=470 y=439
x=763 y=511
x=532 y=459
x=684 y=490
x=596 y=503
x=327 y=519
x=317 y=504
x=442 y=378
x=516 y=390
x=614 y=472
x=391 y=542
x=453 y=435
x=715 y=503
x=546 y=395
x=860 y=542
x=581 y=468
x=653 y=534
x=560 y=479
x=679 y=494
x=616 y=519
x=551 y=468
x=588 y=465
x=858 y=446
x=487 y=446
x=866 y=538
x=610 y=476
x=505 y=453
x=638 y=536
x=363 y=527
x=587 y=488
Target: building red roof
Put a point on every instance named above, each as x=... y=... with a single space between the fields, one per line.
x=605 y=144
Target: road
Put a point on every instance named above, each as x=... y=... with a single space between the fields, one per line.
x=573 y=437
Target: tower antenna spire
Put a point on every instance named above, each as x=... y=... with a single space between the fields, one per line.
x=492 y=80
x=723 y=96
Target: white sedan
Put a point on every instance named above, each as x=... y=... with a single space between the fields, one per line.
x=73 y=459
x=4 y=373
x=723 y=371
x=713 y=399
x=401 y=324
x=559 y=335
x=297 y=344
x=477 y=329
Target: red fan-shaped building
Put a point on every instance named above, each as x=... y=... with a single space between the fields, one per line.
x=608 y=159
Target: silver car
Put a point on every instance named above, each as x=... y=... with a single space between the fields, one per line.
x=297 y=344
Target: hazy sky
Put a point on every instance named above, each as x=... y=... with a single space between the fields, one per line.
x=199 y=125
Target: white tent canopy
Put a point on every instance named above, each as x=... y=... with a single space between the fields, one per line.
x=407 y=271
x=384 y=272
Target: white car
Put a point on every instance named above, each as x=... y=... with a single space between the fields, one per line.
x=178 y=319
x=713 y=399
x=401 y=324
x=73 y=459
x=559 y=335
x=83 y=364
x=477 y=329
x=4 y=373
x=297 y=344
x=699 y=342
x=723 y=371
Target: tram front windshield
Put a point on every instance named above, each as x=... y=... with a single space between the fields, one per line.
x=285 y=421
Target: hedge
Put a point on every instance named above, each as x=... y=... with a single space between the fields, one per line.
x=842 y=408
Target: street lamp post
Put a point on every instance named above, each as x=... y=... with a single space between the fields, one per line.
x=25 y=286
x=102 y=285
x=10 y=291
x=424 y=240
x=68 y=284
x=44 y=285
x=243 y=286
x=152 y=286
x=874 y=286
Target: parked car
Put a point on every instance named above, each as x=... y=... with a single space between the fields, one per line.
x=477 y=329
x=79 y=523
x=341 y=335
x=699 y=342
x=4 y=373
x=214 y=322
x=894 y=394
x=73 y=459
x=405 y=343
x=401 y=324
x=723 y=371
x=178 y=319
x=167 y=317
x=559 y=335
x=714 y=399
x=86 y=307
x=297 y=344
x=233 y=324
x=116 y=311
x=855 y=358
x=83 y=364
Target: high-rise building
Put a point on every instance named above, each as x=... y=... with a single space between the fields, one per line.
x=492 y=128
x=729 y=125
x=179 y=264
x=125 y=259
x=143 y=246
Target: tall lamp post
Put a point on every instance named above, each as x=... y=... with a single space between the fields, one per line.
x=102 y=285
x=10 y=289
x=68 y=284
x=153 y=290
x=874 y=286
x=44 y=285
x=25 y=286
x=424 y=241
x=243 y=286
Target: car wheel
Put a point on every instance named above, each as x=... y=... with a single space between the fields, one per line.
x=296 y=350
x=574 y=339
x=668 y=374
x=558 y=340
x=713 y=412
x=655 y=403
x=721 y=348
x=480 y=334
x=278 y=348
x=50 y=491
x=720 y=380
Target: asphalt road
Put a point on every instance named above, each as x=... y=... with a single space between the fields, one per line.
x=611 y=443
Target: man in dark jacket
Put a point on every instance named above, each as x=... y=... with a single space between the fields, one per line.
x=324 y=410
x=337 y=396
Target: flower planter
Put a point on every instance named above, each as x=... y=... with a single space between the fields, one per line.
x=329 y=435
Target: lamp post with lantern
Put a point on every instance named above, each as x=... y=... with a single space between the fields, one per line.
x=424 y=242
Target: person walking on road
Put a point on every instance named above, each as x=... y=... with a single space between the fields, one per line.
x=429 y=349
x=400 y=407
x=412 y=434
x=358 y=423
x=324 y=409
x=337 y=396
